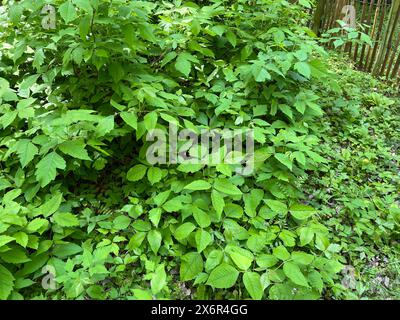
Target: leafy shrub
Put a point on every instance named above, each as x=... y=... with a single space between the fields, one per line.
x=79 y=196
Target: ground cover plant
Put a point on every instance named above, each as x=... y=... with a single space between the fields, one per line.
x=85 y=215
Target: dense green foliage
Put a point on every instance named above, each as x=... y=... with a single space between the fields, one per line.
x=80 y=202
x=358 y=191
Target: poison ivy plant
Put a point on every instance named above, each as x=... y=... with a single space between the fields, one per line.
x=80 y=200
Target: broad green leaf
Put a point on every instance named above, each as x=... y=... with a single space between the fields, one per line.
x=203 y=239
x=130 y=118
x=159 y=279
x=84 y=5
x=183 y=65
x=136 y=173
x=241 y=257
x=293 y=272
x=50 y=206
x=225 y=186
x=281 y=253
x=202 y=218
x=6 y=282
x=37 y=225
x=150 y=120
x=154 y=238
x=302 y=257
x=4 y=239
x=191 y=266
x=223 y=277
x=217 y=202
x=277 y=206
x=252 y=283
x=66 y=219
x=75 y=148
x=154 y=175
x=21 y=238
x=214 y=259
x=46 y=169
x=303 y=68
x=173 y=205
x=67 y=11
x=252 y=200
x=301 y=211
x=121 y=222
x=198 y=185
x=26 y=151
x=266 y=261
x=66 y=250
x=184 y=230
x=284 y=159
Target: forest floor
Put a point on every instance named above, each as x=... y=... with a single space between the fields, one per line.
x=358 y=191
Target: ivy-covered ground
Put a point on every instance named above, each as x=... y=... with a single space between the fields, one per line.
x=358 y=190
x=85 y=214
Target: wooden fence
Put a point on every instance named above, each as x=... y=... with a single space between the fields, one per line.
x=380 y=19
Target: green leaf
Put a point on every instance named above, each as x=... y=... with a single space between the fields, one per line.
x=277 y=206
x=301 y=211
x=37 y=224
x=223 y=277
x=173 y=205
x=46 y=169
x=217 y=202
x=136 y=173
x=183 y=65
x=214 y=259
x=130 y=118
x=15 y=256
x=150 y=120
x=303 y=68
x=225 y=186
x=315 y=280
x=66 y=249
x=306 y=235
x=67 y=11
x=281 y=253
x=293 y=272
x=184 y=230
x=66 y=219
x=159 y=279
x=198 y=185
x=26 y=151
x=106 y=125
x=241 y=257
x=302 y=257
x=284 y=159
x=21 y=238
x=202 y=218
x=266 y=261
x=84 y=5
x=121 y=222
x=5 y=239
x=75 y=148
x=6 y=282
x=203 y=239
x=154 y=238
x=252 y=283
x=154 y=175
x=191 y=266
x=252 y=200
x=50 y=206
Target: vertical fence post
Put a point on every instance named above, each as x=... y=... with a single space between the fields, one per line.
x=387 y=42
x=318 y=14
